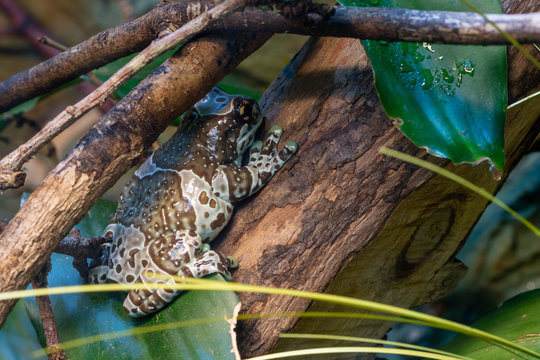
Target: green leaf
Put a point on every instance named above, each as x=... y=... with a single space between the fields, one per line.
x=518 y=320
x=450 y=99
x=17 y=337
x=82 y=315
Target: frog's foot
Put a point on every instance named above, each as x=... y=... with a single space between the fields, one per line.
x=266 y=158
x=98 y=269
x=235 y=184
x=146 y=301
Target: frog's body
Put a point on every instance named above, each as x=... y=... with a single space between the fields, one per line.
x=182 y=196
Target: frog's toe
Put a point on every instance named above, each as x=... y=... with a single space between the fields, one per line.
x=270 y=144
x=98 y=274
x=291 y=147
x=276 y=130
x=231 y=262
x=205 y=247
x=142 y=302
x=255 y=150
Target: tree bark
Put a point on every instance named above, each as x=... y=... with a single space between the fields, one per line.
x=343 y=219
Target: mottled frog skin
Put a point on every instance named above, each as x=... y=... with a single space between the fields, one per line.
x=182 y=196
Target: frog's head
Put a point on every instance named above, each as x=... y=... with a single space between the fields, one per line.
x=229 y=123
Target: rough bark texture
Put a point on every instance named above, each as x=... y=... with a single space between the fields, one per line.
x=110 y=149
x=342 y=218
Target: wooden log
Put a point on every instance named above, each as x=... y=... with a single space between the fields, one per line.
x=343 y=219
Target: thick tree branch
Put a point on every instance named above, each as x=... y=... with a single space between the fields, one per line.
x=15 y=160
x=109 y=149
x=364 y=23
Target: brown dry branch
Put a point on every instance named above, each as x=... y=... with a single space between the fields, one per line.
x=50 y=329
x=364 y=23
x=13 y=162
x=80 y=249
x=109 y=149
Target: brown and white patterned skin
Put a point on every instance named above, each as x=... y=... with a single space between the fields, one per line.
x=182 y=196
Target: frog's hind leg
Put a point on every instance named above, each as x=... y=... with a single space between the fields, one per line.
x=144 y=302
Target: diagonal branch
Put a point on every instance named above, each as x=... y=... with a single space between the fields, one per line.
x=13 y=162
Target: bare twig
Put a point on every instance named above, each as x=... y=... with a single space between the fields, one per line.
x=95 y=52
x=80 y=249
x=232 y=330
x=47 y=316
x=14 y=161
x=44 y=39
x=39 y=38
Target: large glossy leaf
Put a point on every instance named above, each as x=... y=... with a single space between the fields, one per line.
x=18 y=338
x=518 y=319
x=82 y=315
x=450 y=99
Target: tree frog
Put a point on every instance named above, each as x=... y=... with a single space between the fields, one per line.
x=183 y=195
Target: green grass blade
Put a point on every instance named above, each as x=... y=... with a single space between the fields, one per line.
x=140 y=330
x=466 y=183
x=524 y=99
x=205 y=284
x=344 y=350
x=373 y=341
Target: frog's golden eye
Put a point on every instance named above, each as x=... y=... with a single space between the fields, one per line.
x=244 y=109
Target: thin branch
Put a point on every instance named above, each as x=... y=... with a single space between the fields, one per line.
x=80 y=248
x=44 y=39
x=95 y=52
x=23 y=24
x=15 y=160
x=50 y=329
x=91 y=76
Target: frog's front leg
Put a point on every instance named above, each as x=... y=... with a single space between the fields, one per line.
x=233 y=183
x=98 y=268
x=146 y=301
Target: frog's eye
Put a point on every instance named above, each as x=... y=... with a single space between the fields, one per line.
x=244 y=110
